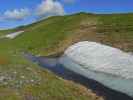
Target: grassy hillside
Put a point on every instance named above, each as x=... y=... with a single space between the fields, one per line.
x=117 y=30
x=21 y=79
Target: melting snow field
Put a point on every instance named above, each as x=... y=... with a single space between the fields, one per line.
x=107 y=65
x=13 y=35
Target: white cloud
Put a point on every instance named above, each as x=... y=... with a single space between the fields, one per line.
x=45 y=9
x=16 y=14
x=49 y=8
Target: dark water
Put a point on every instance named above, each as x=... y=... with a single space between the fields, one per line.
x=53 y=65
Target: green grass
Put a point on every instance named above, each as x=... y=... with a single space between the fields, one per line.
x=53 y=36
x=118 y=30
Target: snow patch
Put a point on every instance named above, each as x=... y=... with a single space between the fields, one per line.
x=13 y=35
x=107 y=65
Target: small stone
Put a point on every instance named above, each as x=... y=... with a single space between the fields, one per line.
x=5 y=83
x=15 y=72
x=22 y=77
x=32 y=80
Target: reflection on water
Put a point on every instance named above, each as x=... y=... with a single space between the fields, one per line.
x=53 y=65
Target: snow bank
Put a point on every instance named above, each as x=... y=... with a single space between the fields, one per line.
x=109 y=66
x=14 y=35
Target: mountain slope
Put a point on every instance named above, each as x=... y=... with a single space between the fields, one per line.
x=53 y=36
x=23 y=80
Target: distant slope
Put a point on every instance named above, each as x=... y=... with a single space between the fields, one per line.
x=56 y=33
x=50 y=34
x=117 y=30
x=22 y=80
x=53 y=36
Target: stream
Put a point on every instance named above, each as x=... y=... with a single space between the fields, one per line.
x=54 y=66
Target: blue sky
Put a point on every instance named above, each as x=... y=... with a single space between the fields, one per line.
x=19 y=12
